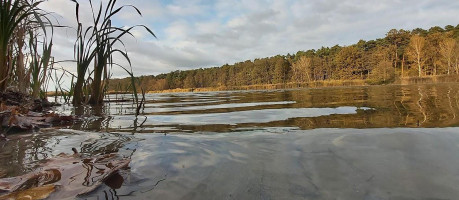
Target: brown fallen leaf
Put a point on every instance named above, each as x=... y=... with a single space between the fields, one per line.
x=32 y=120
x=20 y=122
x=35 y=193
x=75 y=175
x=3 y=173
x=20 y=117
x=55 y=118
x=3 y=107
x=30 y=180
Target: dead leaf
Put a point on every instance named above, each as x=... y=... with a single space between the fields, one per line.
x=32 y=120
x=3 y=107
x=2 y=173
x=3 y=137
x=55 y=118
x=30 y=180
x=75 y=175
x=35 y=193
x=19 y=116
x=25 y=123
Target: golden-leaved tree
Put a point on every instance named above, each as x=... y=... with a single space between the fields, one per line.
x=447 y=50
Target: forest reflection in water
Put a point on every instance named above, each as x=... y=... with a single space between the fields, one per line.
x=435 y=105
x=260 y=144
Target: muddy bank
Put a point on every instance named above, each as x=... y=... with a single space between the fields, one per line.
x=19 y=112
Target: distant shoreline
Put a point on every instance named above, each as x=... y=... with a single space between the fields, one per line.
x=315 y=84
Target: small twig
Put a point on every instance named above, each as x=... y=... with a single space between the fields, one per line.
x=154 y=186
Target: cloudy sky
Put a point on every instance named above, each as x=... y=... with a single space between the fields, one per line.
x=199 y=33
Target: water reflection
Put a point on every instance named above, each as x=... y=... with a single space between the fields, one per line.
x=433 y=105
x=258 y=144
x=319 y=164
x=23 y=153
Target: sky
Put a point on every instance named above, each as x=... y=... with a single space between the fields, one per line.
x=202 y=33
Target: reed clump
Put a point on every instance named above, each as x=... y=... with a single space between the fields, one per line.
x=97 y=44
x=26 y=42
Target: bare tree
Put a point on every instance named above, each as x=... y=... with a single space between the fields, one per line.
x=416 y=51
x=447 y=47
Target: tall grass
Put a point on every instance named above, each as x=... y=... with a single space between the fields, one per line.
x=97 y=44
x=28 y=65
x=15 y=14
x=84 y=55
x=39 y=64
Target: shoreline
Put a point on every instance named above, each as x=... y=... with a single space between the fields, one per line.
x=316 y=84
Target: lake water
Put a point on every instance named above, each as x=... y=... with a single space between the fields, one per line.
x=375 y=142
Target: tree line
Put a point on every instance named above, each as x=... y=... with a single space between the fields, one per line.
x=401 y=53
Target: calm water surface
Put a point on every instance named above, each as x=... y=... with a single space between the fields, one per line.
x=378 y=142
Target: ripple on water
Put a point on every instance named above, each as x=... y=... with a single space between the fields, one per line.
x=256 y=144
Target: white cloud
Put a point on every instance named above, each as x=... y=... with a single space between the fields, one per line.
x=194 y=33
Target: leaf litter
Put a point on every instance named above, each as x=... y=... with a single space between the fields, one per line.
x=65 y=176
